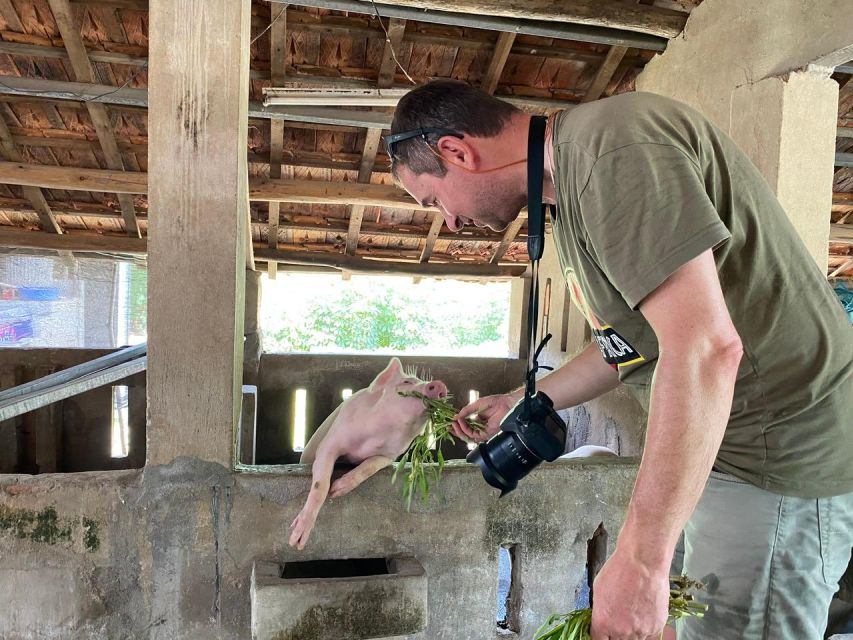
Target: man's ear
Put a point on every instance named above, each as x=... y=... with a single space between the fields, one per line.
x=392 y=372
x=458 y=151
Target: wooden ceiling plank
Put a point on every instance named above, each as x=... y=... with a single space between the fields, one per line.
x=83 y=71
x=10 y=15
x=278 y=66
x=432 y=236
x=605 y=73
x=358 y=264
x=503 y=46
x=387 y=68
x=11 y=153
x=509 y=235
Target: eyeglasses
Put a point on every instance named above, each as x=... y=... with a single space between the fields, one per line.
x=392 y=140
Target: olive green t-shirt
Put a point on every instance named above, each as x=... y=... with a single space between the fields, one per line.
x=645 y=184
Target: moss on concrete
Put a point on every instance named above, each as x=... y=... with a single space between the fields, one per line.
x=90 y=535
x=38 y=526
x=47 y=527
x=364 y=614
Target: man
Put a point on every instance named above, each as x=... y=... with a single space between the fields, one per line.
x=706 y=303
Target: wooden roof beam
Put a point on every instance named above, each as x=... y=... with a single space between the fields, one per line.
x=260 y=189
x=509 y=236
x=278 y=64
x=605 y=73
x=358 y=264
x=396 y=29
x=73 y=39
x=503 y=46
x=33 y=194
x=432 y=236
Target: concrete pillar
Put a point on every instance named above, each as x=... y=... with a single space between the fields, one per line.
x=198 y=97
x=760 y=71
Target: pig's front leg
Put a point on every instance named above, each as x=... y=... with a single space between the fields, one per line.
x=321 y=474
x=362 y=472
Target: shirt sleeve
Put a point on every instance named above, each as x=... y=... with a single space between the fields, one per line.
x=646 y=212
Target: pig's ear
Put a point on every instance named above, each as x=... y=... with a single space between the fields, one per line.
x=392 y=372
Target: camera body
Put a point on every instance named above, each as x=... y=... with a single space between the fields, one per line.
x=530 y=433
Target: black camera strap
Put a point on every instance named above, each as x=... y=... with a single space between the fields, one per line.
x=535 y=244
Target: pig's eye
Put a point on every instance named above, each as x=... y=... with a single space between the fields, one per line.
x=407 y=382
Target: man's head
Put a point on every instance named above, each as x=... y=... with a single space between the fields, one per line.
x=449 y=147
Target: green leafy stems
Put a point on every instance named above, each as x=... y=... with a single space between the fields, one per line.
x=424 y=453
x=576 y=625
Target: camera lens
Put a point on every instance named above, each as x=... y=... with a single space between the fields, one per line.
x=504 y=460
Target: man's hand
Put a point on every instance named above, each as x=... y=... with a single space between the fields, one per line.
x=630 y=600
x=490 y=409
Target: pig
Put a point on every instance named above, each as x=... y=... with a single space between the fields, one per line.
x=370 y=429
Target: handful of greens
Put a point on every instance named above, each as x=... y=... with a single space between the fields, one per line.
x=424 y=453
x=576 y=625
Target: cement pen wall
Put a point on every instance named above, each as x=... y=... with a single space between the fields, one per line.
x=168 y=552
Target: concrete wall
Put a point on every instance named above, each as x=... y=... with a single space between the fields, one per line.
x=760 y=72
x=168 y=552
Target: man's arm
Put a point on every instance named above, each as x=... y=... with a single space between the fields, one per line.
x=581 y=379
x=691 y=398
x=584 y=377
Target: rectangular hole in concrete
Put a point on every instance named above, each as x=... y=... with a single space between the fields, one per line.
x=596 y=555
x=119 y=423
x=509 y=589
x=344 y=568
x=346 y=393
x=300 y=408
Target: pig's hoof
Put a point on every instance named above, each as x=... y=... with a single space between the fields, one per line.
x=301 y=532
x=341 y=487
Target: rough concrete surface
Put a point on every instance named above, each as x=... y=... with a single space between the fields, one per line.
x=168 y=552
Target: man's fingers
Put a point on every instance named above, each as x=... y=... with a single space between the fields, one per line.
x=477 y=406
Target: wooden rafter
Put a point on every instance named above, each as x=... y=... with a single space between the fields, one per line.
x=432 y=236
x=260 y=189
x=605 y=73
x=503 y=46
x=33 y=194
x=509 y=235
x=359 y=264
x=278 y=62
x=7 y=10
x=84 y=72
x=396 y=29
x=369 y=261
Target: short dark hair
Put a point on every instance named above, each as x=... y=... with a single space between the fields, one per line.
x=444 y=104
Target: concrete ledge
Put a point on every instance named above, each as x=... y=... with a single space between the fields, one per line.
x=346 y=608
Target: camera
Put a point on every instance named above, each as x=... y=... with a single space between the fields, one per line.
x=530 y=433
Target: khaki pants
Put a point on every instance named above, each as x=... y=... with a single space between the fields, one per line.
x=770 y=563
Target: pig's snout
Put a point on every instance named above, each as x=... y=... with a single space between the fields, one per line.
x=435 y=389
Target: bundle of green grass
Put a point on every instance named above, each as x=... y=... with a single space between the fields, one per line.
x=424 y=453
x=576 y=625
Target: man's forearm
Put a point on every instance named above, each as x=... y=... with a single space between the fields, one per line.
x=584 y=377
x=690 y=405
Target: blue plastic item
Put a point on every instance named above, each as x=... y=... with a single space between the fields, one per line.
x=845 y=296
